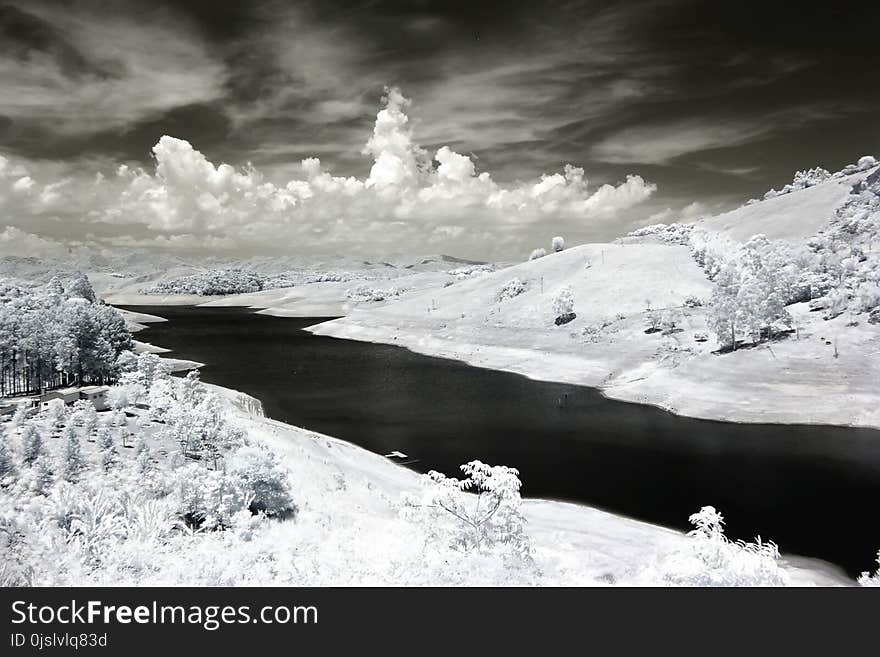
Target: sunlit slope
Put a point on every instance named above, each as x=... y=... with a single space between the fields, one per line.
x=792 y=216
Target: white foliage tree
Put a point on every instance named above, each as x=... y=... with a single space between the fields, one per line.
x=483 y=509
x=106 y=448
x=31 y=444
x=563 y=305
x=7 y=463
x=73 y=463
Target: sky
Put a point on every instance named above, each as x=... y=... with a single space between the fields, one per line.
x=478 y=129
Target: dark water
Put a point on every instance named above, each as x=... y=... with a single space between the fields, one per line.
x=815 y=490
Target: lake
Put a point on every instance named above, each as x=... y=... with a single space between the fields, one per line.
x=814 y=490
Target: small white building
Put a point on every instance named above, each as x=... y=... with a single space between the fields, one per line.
x=66 y=395
x=97 y=395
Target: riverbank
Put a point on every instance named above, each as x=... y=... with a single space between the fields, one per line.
x=825 y=373
x=342 y=484
x=346 y=487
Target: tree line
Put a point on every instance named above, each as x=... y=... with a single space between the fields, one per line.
x=58 y=334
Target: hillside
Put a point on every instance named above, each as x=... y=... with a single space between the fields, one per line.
x=791 y=216
x=824 y=370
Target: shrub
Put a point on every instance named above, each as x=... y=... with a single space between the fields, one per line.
x=265 y=480
x=867 y=579
x=208 y=498
x=558 y=244
x=511 y=289
x=537 y=253
x=563 y=306
x=484 y=509
x=711 y=559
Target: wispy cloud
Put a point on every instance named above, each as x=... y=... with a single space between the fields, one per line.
x=127 y=68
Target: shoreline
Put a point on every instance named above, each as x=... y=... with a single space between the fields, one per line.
x=632 y=385
x=540 y=511
x=498 y=358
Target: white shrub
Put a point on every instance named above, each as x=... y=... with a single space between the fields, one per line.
x=265 y=480
x=711 y=559
x=537 y=253
x=511 y=289
x=208 y=498
x=868 y=579
x=478 y=513
x=563 y=305
x=558 y=244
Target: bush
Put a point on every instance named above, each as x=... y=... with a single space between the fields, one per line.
x=711 y=559
x=208 y=498
x=558 y=244
x=512 y=288
x=563 y=306
x=871 y=580
x=537 y=253
x=264 y=478
x=483 y=509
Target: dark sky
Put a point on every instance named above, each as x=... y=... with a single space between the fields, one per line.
x=712 y=101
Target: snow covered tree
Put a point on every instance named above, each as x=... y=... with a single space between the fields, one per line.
x=31 y=444
x=558 y=244
x=537 y=253
x=73 y=463
x=563 y=306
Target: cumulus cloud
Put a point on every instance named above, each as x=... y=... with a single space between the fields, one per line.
x=16 y=242
x=410 y=200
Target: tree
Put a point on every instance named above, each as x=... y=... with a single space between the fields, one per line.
x=31 y=444
x=89 y=421
x=723 y=308
x=7 y=466
x=142 y=455
x=563 y=306
x=43 y=475
x=73 y=463
x=106 y=448
x=484 y=508
x=558 y=244
x=264 y=477
x=537 y=253
x=80 y=287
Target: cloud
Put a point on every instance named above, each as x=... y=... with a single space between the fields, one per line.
x=102 y=70
x=660 y=144
x=16 y=242
x=409 y=200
